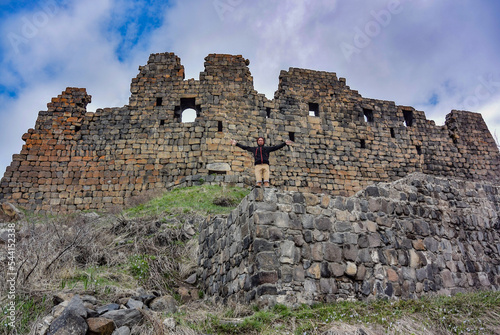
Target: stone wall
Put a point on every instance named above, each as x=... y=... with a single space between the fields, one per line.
x=419 y=235
x=76 y=160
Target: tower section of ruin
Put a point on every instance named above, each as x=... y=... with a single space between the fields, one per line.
x=77 y=160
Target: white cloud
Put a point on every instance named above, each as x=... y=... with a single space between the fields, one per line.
x=68 y=51
x=17 y=117
x=491 y=115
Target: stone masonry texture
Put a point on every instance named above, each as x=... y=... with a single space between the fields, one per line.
x=76 y=160
x=419 y=235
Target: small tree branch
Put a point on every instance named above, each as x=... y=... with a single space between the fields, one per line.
x=29 y=273
x=64 y=250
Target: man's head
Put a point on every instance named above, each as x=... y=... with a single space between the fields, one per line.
x=260 y=141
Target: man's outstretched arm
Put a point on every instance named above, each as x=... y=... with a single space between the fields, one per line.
x=244 y=147
x=279 y=146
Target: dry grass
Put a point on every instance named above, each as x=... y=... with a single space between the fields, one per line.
x=107 y=256
x=50 y=249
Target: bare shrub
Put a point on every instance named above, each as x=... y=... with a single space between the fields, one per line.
x=142 y=198
x=169 y=250
x=224 y=201
x=47 y=248
x=93 y=254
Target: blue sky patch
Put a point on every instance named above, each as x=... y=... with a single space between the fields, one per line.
x=4 y=90
x=434 y=100
x=139 y=19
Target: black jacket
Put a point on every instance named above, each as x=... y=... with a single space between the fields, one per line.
x=261 y=153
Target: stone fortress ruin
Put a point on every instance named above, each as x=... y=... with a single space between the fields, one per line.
x=312 y=233
x=76 y=160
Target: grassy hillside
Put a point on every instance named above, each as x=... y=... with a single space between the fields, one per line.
x=153 y=245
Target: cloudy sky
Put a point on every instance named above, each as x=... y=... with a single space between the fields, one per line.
x=433 y=55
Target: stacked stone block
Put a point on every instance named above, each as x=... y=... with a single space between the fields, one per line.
x=419 y=235
x=76 y=160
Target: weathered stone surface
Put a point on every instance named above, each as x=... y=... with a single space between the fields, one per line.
x=323 y=223
x=4 y=235
x=328 y=286
x=264 y=278
x=191 y=279
x=260 y=245
x=76 y=306
x=392 y=275
x=351 y=269
x=418 y=245
x=332 y=252
x=218 y=167
x=123 y=330
x=350 y=252
x=165 y=304
x=69 y=323
x=124 y=317
x=287 y=252
x=100 y=326
x=267 y=261
x=107 y=308
x=132 y=303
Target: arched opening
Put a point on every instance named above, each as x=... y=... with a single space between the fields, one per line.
x=368 y=114
x=188 y=115
x=408 y=116
x=187 y=111
x=313 y=109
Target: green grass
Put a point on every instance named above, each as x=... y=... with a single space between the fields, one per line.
x=139 y=266
x=471 y=313
x=27 y=309
x=195 y=199
x=100 y=279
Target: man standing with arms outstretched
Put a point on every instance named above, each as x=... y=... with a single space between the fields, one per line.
x=261 y=157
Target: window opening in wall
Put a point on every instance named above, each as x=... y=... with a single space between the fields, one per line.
x=313 y=109
x=291 y=136
x=159 y=101
x=77 y=129
x=188 y=115
x=393 y=135
x=219 y=126
x=162 y=122
x=419 y=149
x=368 y=113
x=363 y=144
x=268 y=112
x=188 y=111
x=408 y=115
